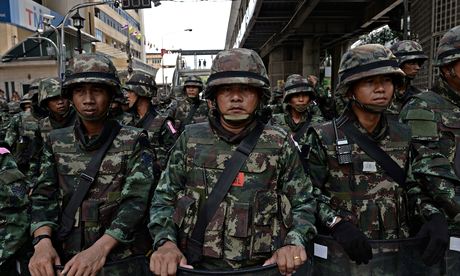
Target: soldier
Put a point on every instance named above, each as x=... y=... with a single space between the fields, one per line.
x=166 y=104
x=434 y=119
x=14 y=218
x=363 y=168
x=118 y=112
x=61 y=114
x=4 y=119
x=276 y=101
x=20 y=136
x=141 y=89
x=93 y=190
x=300 y=111
x=264 y=214
x=410 y=58
x=193 y=109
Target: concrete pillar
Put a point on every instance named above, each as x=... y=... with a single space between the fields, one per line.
x=337 y=51
x=276 y=66
x=310 y=57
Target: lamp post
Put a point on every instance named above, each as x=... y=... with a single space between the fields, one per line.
x=74 y=8
x=162 y=56
x=78 y=23
x=40 y=38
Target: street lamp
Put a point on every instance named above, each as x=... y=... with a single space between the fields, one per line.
x=79 y=23
x=162 y=57
x=74 y=8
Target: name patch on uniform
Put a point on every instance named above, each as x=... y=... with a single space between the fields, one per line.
x=320 y=251
x=369 y=166
x=454 y=244
x=239 y=180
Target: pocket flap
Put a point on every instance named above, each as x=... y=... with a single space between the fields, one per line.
x=182 y=205
x=238 y=220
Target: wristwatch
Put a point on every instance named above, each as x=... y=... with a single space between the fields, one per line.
x=160 y=243
x=38 y=238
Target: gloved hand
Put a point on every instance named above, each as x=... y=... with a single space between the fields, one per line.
x=436 y=229
x=353 y=241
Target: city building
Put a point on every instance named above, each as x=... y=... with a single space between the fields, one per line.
x=106 y=30
x=429 y=21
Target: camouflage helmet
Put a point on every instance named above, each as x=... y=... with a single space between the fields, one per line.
x=366 y=61
x=48 y=88
x=193 y=81
x=33 y=87
x=297 y=84
x=448 y=47
x=91 y=68
x=27 y=98
x=238 y=66
x=3 y=105
x=142 y=84
x=407 y=50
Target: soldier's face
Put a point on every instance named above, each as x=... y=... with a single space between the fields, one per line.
x=91 y=100
x=58 y=105
x=192 y=91
x=237 y=99
x=411 y=68
x=375 y=90
x=299 y=99
x=132 y=98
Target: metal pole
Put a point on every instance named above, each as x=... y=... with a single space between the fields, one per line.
x=79 y=49
x=405 y=19
x=130 y=56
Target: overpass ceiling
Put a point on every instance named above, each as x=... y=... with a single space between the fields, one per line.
x=290 y=21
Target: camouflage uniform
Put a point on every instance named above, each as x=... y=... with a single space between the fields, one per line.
x=184 y=107
x=125 y=118
x=362 y=192
x=117 y=201
x=405 y=51
x=434 y=119
x=4 y=119
x=14 y=218
x=276 y=104
x=160 y=128
x=20 y=136
x=166 y=104
x=270 y=196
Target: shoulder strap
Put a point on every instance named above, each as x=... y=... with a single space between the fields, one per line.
x=84 y=182
x=302 y=130
x=374 y=151
x=149 y=119
x=220 y=190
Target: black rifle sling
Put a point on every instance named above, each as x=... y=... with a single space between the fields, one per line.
x=149 y=119
x=374 y=151
x=85 y=180
x=218 y=193
x=302 y=130
x=190 y=114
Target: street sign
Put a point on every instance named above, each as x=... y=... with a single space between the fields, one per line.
x=136 y=4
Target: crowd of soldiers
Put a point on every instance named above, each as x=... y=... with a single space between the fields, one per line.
x=100 y=177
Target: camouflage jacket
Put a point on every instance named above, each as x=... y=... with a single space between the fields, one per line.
x=434 y=120
x=362 y=192
x=276 y=108
x=117 y=201
x=162 y=133
x=184 y=107
x=21 y=139
x=313 y=115
x=14 y=217
x=124 y=118
x=167 y=107
x=399 y=100
x=47 y=124
x=270 y=196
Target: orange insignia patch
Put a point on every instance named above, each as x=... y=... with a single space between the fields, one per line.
x=239 y=180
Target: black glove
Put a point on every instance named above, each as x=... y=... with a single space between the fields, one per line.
x=436 y=229
x=353 y=241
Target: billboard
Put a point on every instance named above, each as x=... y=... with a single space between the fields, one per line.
x=26 y=14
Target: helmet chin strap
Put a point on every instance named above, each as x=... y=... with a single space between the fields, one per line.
x=372 y=108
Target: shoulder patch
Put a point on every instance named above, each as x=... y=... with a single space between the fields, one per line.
x=4 y=151
x=420 y=114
